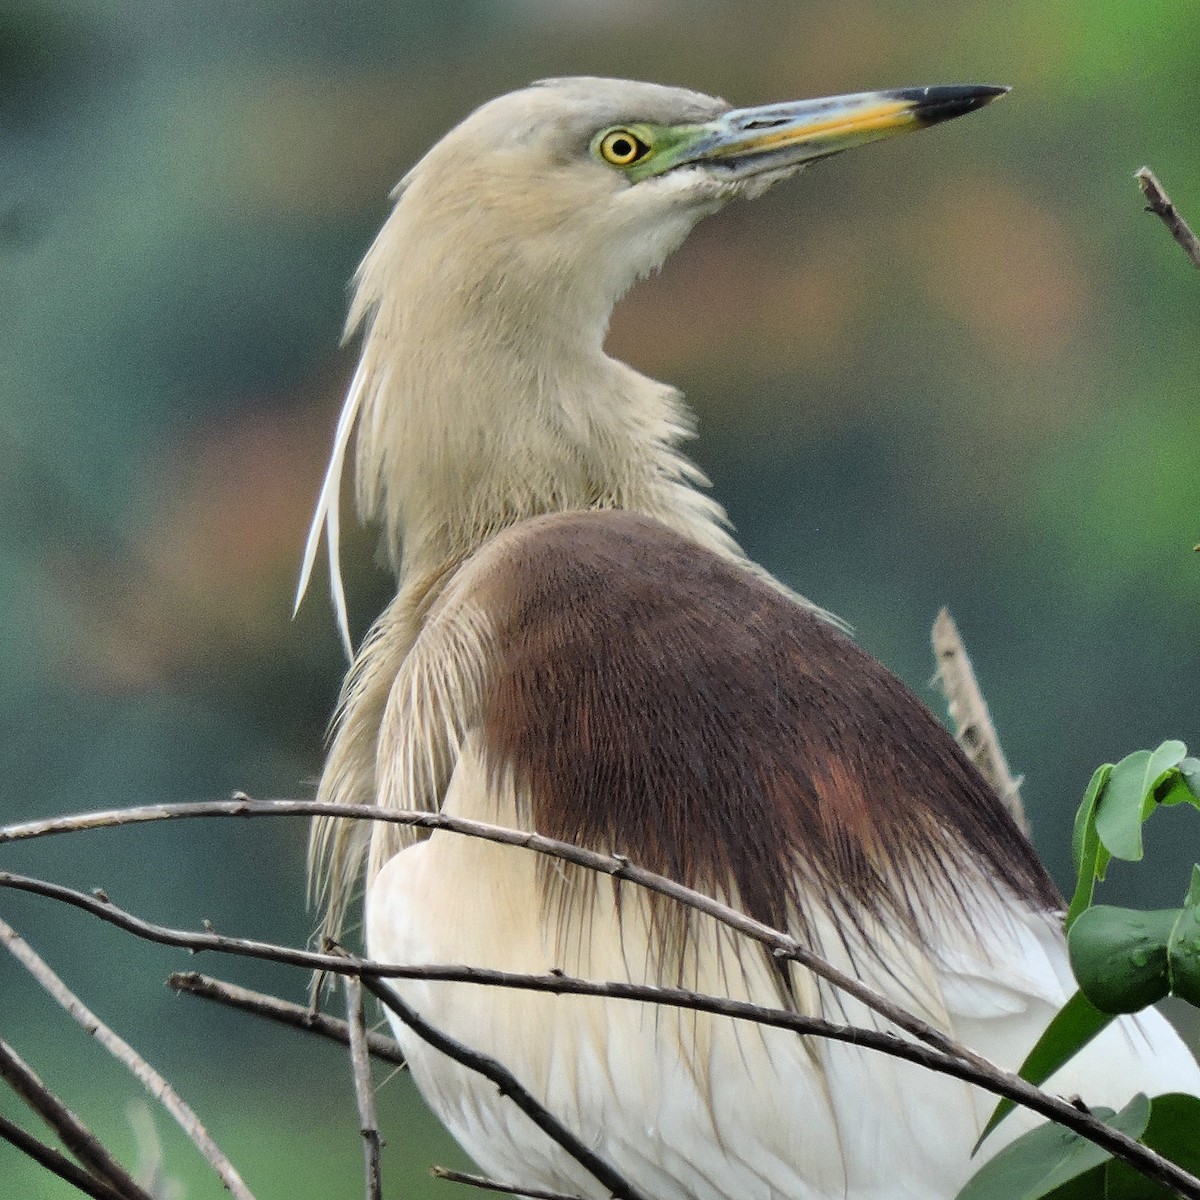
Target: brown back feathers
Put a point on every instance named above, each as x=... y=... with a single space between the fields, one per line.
x=654 y=699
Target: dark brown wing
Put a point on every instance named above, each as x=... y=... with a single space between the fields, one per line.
x=657 y=700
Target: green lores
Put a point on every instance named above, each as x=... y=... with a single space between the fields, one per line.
x=642 y=150
x=749 y=141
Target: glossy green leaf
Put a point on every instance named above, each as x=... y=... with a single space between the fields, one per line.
x=1172 y=1131
x=1049 y=1158
x=1090 y=857
x=1123 y=807
x=1120 y=956
x=1074 y=1025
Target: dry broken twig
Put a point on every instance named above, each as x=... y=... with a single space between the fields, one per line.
x=782 y=945
x=1159 y=203
x=150 y=1079
x=364 y=1089
x=973 y=728
x=284 y=1012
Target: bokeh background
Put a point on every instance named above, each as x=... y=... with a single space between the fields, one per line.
x=956 y=369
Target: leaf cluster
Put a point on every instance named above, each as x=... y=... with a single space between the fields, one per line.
x=1124 y=959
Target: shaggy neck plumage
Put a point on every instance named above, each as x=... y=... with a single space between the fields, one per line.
x=460 y=437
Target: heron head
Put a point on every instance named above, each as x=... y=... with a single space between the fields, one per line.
x=590 y=183
x=486 y=297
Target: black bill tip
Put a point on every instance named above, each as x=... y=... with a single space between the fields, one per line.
x=934 y=104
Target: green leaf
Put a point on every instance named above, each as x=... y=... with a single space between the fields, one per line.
x=1183 y=946
x=1090 y=857
x=1087 y=810
x=1125 y=959
x=1049 y=1158
x=1124 y=806
x=1120 y=956
x=1174 y=1120
x=1074 y=1025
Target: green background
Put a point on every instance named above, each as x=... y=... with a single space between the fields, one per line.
x=956 y=369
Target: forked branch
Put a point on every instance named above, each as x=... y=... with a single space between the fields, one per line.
x=509 y=1086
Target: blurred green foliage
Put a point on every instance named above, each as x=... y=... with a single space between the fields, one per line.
x=959 y=369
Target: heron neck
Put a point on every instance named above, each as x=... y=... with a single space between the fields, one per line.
x=457 y=442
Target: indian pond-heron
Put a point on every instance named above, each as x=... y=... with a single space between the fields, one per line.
x=578 y=646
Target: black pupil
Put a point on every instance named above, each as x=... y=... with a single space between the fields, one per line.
x=622 y=148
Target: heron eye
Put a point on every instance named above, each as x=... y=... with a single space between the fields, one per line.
x=622 y=148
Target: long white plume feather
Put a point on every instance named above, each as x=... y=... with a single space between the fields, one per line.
x=328 y=512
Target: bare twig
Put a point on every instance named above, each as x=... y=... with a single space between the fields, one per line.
x=1159 y=203
x=298 y=1016
x=957 y=1061
x=986 y=1074
x=782 y=945
x=973 y=726
x=509 y=1086
x=153 y=1082
x=239 y=805
x=492 y=1185
x=364 y=1091
x=58 y=1164
x=71 y=1131
x=555 y=983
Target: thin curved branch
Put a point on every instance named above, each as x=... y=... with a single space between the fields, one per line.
x=283 y=1012
x=618 y=866
x=967 y=1066
x=124 y=1053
